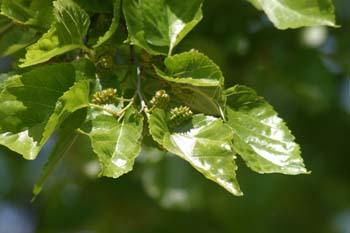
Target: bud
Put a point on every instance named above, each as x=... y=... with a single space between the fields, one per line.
x=179 y=115
x=106 y=96
x=160 y=99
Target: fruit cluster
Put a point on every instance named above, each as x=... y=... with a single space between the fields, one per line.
x=160 y=99
x=178 y=115
x=106 y=96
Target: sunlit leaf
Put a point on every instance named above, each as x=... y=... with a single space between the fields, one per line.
x=116 y=143
x=261 y=138
x=297 y=13
x=32 y=105
x=72 y=22
x=204 y=142
x=71 y=25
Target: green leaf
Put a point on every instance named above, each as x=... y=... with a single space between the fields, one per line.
x=207 y=100
x=85 y=69
x=72 y=22
x=66 y=137
x=113 y=27
x=261 y=138
x=36 y=13
x=15 y=40
x=16 y=10
x=159 y=25
x=47 y=47
x=42 y=10
x=96 y=6
x=32 y=105
x=116 y=144
x=204 y=142
x=297 y=13
x=196 y=80
x=192 y=68
x=71 y=25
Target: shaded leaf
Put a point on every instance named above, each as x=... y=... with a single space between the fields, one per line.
x=66 y=137
x=261 y=138
x=207 y=100
x=15 y=40
x=32 y=105
x=36 y=13
x=96 y=6
x=297 y=13
x=71 y=25
x=204 y=142
x=116 y=144
x=159 y=25
x=113 y=27
x=16 y=10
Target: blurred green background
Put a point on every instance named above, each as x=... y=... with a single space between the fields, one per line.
x=304 y=73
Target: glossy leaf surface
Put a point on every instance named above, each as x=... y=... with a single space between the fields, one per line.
x=159 y=25
x=261 y=138
x=32 y=105
x=297 y=13
x=71 y=25
x=115 y=143
x=204 y=142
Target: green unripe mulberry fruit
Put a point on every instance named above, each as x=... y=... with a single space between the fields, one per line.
x=179 y=115
x=106 y=96
x=160 y=99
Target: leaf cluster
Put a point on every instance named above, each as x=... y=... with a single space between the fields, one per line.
x=108 y=70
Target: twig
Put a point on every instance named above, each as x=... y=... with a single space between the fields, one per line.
x=90 y=52
x=82 y=132
x=139 y=77
x=138 y=90
x=123 y=99
x=126 y=107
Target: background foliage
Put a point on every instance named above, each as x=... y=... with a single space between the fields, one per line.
x=307 y=82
